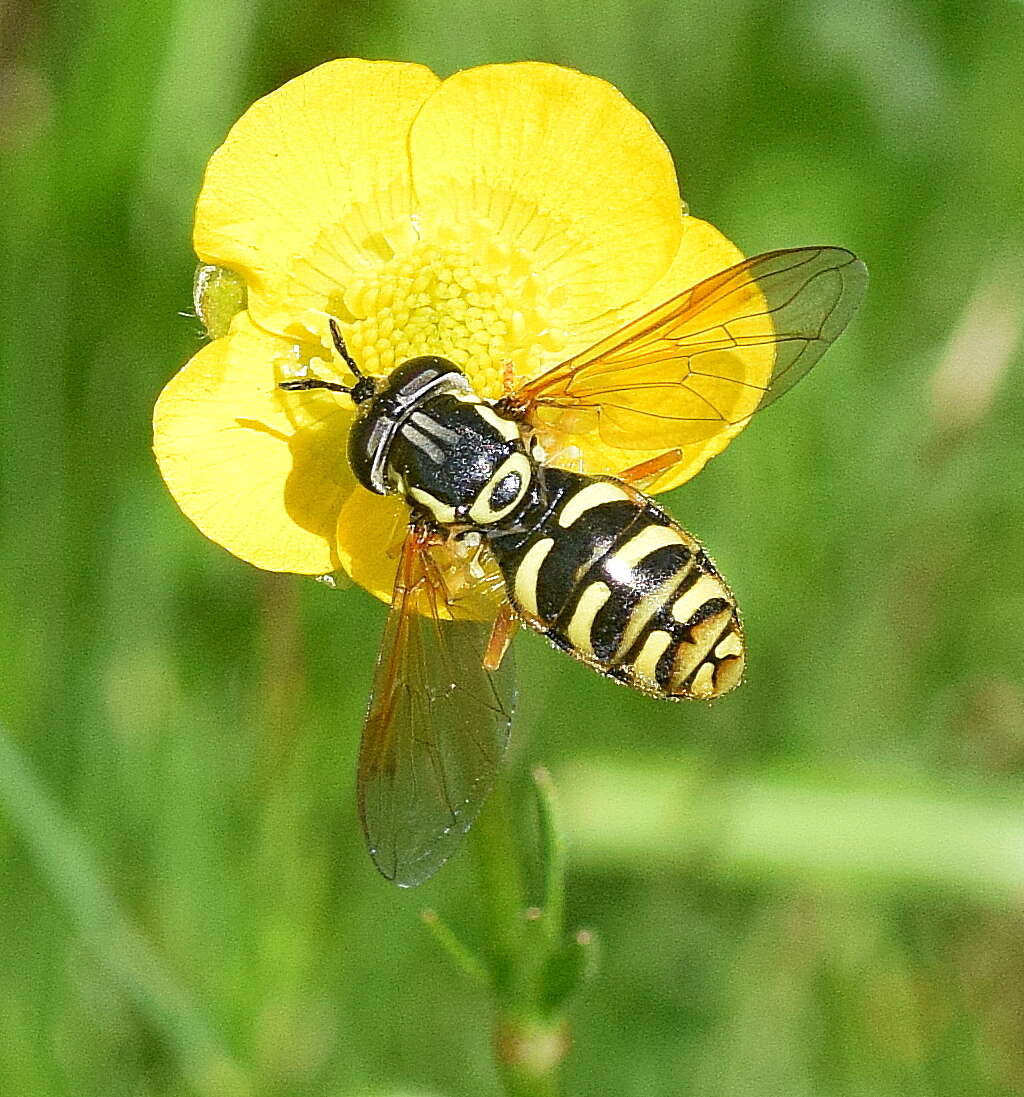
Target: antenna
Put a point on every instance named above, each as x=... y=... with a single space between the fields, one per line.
x=339 y=346
x=362 y=390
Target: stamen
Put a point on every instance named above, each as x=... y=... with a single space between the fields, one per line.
x=468 y=292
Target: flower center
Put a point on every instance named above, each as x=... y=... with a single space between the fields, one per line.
x=462 y=291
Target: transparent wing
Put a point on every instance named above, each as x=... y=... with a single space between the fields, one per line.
x=437 y=726
x=706 y=360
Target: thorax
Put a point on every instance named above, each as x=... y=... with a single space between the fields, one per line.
x=428 y=437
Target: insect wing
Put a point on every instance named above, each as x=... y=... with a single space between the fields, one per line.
x=437 y=726
x=708 y=359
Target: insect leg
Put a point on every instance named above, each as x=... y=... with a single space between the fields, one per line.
x=647 y=472
x=508 y=378
x=506 y=625
x=304 y=384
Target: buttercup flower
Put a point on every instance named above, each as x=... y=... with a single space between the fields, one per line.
x=505 y=218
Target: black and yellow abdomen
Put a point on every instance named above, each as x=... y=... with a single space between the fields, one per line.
x=610 y=578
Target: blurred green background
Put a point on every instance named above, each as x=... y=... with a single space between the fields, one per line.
x=815 y=887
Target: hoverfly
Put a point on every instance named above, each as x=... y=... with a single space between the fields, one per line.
x=591 y=562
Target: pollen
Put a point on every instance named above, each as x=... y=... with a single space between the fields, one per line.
x=462 y=292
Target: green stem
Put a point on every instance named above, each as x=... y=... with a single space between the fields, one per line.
x=528 y=1047
x=502 y=894
x=552 y=849
x=528 y=1052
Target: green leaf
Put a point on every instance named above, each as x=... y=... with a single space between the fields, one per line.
x=461 y=955
x=551 y=852
x=566 y=970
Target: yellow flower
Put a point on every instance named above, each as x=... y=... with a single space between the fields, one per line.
x=504 y=218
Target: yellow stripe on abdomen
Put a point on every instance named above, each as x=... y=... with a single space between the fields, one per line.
x=706 y=588
x=638 y=548
x=703 y=684
x=578 y=632
x=731 y=645
x=711 y=660
x=528 y=571
x=646 y=664
x=593 y=495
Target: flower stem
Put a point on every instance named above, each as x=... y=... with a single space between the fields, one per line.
x=501 y=887
x=530 y=1042
x=528 y=1053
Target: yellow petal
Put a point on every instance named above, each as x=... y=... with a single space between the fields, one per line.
x=573 y=438
x=703 y=251
x=262 y=472
x=560 y=165
x=327 y=141
x=371 y=531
